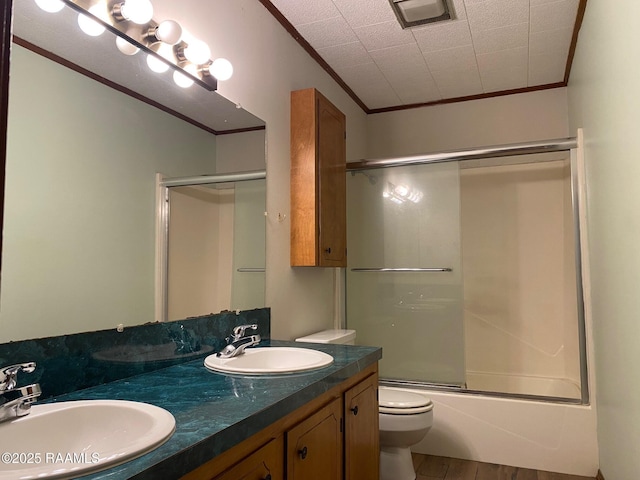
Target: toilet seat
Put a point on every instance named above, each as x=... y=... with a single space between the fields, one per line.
x=395 y=401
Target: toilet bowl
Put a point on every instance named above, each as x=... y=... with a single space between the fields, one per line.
x=405 y=418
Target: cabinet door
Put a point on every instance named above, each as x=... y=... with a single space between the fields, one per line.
x=267 y=463
x=332 y=189
x=314 y=446
x=362 y=437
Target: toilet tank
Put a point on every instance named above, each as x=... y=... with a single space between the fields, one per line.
x=343 y=337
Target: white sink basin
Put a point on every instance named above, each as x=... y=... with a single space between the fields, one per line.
x=69 y=439
x=269 y=361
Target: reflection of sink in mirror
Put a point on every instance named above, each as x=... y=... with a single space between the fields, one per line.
x=269 y=361
x=70 y=439
x=146 y=353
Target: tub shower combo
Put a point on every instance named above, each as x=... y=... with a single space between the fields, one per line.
x=466 y=268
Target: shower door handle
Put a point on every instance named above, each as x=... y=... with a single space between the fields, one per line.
x=401 y=270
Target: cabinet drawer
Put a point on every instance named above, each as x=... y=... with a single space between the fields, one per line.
x=267 y=463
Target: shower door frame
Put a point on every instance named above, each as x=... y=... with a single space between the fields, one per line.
x=572 y=145
x=163 y=218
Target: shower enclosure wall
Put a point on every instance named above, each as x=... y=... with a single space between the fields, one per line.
x=465 y=273
x=212 y=244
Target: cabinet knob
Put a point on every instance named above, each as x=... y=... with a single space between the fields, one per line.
x=268 y=477
x=355 y=410
x=327 y=250
x=303 y=453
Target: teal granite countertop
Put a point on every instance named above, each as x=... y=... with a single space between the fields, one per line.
x=215 y=411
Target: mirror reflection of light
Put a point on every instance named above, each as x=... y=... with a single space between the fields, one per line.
x=51 y=6
x=126 y=47
x=400 y=194
x=156 y=65
x=89 y=25
x=183 y=80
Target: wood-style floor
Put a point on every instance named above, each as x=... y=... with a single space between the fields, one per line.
x=430 y=467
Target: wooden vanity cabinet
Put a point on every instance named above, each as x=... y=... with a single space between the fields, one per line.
x=318 y=181
x=333 y=437
x=314 y=446
x=267 y=463
x=361 y=425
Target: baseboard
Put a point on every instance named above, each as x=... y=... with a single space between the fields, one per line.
x=599 y=476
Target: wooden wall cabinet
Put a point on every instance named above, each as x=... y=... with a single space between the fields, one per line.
x=318 y=181
x=333 y=437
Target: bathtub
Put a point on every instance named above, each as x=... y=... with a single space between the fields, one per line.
x=548 y=436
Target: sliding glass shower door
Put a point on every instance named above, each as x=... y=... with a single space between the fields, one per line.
x=404 y=279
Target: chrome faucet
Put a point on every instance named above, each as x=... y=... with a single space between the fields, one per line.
x=16 y=402
x=237 y=342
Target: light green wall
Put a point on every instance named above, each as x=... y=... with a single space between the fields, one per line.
x=604 y=100
x=79 y=232
x=268 y=65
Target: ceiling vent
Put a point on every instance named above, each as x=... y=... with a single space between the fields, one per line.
x=412 y=13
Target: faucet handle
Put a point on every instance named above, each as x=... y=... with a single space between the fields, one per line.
x=238 y=332
x=9 y=375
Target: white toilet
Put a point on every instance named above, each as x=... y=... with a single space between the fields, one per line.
x=405 y=416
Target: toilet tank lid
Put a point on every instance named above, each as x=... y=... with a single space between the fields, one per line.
x=400 y=399
x=329 y=336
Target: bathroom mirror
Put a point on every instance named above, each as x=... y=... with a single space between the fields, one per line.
x=79 y=237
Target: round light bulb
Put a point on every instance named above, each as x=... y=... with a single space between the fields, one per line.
x=222 y=69
x=169 y=32
x=137 y=11
x=182 y=80
x=126 y=47
x=197 y=52
x=51 y=6
x=156 y=64
x=89 y=25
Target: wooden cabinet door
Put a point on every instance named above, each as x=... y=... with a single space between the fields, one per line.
x=318 y=181
x=362 y=437
x=332 y=185
x=267 y=463
x=314 y=446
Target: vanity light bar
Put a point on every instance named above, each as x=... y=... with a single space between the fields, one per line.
x=162 y=42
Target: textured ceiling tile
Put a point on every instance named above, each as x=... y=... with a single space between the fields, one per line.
x=327 y=33
x=558 y=41
x=457 y=10
x=460 y=58
x=345 y=54
x=553 y=16
x=394 y=57
x=441 y=36
x=366 y=72
x=541 y=2
x=500 y=80
x=504 y=60
x=405 y=68
x=370 y=85
x=298 y=12
x=376 y=11
x=497 y=13
x=453 y=84
x=416 y=90
x=383 y=35
x=512 y=36
x=547 y=68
